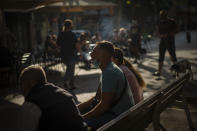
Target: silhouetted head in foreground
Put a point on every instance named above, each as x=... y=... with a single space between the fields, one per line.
x=31 y=76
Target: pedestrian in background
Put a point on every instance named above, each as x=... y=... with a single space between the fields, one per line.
x=67 y=41
x=167 y=31
x=135 y=44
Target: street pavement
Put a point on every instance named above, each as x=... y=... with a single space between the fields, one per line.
x=87 y=80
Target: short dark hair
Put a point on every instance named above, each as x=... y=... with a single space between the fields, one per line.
x=68 y=23
x=106 y=45
x=119 y=55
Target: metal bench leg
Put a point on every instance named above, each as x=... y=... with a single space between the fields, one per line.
x=162 y=127
x=188 y=114
x=156 y=121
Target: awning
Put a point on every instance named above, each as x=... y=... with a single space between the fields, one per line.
x=24 y=5
x=77 y=6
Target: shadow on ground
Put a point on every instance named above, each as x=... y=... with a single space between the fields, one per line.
x=86 y=83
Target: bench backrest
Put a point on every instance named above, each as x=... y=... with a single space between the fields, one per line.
x=141 y=115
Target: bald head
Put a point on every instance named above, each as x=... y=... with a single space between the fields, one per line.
x=31 y=76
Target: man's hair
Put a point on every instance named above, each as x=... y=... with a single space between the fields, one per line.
x=33 y=73
x=68 y=23
x=107 y=46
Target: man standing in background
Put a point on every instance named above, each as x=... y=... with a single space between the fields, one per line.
x=167 y=30
x=135 y=44
x=67 y=41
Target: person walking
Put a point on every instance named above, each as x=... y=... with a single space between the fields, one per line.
x=135 y=44
x=67 y=41
x=167 y=31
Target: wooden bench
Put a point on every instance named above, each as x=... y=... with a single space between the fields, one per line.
x=142 y=114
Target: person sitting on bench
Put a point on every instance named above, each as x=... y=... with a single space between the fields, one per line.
x=57 y=107
x=134 y=78
x=113 y=95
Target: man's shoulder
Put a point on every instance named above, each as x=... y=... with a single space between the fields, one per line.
x=113 y=70
x=58 y=89
x=47 y=90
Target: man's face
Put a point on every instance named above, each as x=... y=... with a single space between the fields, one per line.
x=95 y=53
x=98 y=54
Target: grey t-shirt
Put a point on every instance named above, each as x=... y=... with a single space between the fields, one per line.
x=113 y=80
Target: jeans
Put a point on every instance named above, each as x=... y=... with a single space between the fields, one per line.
x=98 y=121
x=167 y=44
x=70 y=69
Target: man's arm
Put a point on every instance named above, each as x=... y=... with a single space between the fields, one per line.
x=88 y=103
x=102 y=106
x=30 y=116
x=85 y=105
x=160 y=32
x=174 y=27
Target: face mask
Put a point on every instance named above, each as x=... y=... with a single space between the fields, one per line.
x=95 y=63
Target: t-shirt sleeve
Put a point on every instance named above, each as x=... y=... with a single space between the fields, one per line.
x=109 y=82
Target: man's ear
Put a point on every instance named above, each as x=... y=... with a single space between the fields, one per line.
x=104 y=53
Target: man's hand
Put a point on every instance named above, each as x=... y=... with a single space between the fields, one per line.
x=85 y=105
x=101 y=107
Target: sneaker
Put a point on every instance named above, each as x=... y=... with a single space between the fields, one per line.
x=157 y=73
x=135 y=61
x=72 y=86
x=66 y=86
